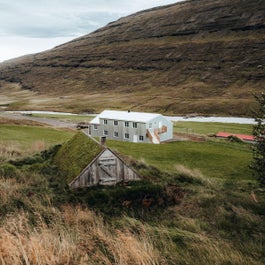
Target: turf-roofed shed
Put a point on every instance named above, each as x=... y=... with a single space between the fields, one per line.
x=86 y=163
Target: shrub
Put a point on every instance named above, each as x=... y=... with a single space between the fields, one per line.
x=7 y=170
x=258 y=164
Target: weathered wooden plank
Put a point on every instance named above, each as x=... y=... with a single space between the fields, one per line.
x=106 y=169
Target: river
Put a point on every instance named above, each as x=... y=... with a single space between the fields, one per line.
x=237 y=120
x=213 y=119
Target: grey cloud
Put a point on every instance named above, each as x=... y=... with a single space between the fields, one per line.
x=59 y=26
x=71 y=18
x=57 y=18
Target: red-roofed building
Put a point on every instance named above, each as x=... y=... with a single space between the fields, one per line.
x=243 y=137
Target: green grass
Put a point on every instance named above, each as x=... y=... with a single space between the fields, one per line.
x=214 y=159
x=25 y=135
x=18 y=141
x=211 y=127
x=76 y=154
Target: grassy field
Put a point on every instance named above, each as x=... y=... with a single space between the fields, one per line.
x=26 y=135
x=214 y=159
x=211 y=127
x=21 y=140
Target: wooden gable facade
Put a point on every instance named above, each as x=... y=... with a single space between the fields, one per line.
x=107 y=168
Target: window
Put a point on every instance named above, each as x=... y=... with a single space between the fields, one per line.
x=126 y=124
x=116 y=134
x=126 y=136
x=141 y=138
x=95 y=127
x=115 y=123
x=105 y=132
x=134 y=124
x=105 y=121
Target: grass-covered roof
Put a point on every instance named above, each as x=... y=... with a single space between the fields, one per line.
x=76 y=154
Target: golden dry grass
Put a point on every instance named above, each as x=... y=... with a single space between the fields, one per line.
x=12 y=150
x=77 y=237
x=9 y=151
x=8 y=188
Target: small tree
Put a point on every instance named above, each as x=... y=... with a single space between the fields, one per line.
x=258 y=163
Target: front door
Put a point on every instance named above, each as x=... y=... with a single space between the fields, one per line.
x=108 y=168
x=135 y=138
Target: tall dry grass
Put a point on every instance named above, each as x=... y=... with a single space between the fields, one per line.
x=78 y=236
x=210 y=250
x=13 y=150
x=8 y=188
x=9 y=150
x=194 y=174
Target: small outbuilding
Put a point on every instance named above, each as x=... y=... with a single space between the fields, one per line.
x=85 y=163
x=107 y=168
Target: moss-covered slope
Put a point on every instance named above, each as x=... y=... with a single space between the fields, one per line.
x=75 y=154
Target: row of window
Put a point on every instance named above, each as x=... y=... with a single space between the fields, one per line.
x=126 y=135
x=126 y=123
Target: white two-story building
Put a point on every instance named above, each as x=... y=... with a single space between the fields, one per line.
x=131 y=126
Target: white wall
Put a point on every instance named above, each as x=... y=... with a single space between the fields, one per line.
x=162 y=121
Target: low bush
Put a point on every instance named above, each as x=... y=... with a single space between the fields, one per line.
x=7 y=170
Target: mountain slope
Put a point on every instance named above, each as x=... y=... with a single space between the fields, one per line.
x=198 y=56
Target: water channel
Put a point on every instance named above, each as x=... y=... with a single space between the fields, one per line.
x=238 y=120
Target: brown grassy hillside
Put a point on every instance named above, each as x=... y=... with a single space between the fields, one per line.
x=198 y=56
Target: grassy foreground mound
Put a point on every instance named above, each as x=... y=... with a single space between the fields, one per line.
x=177 y=216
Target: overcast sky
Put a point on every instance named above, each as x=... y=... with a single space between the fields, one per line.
x=29 y=26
